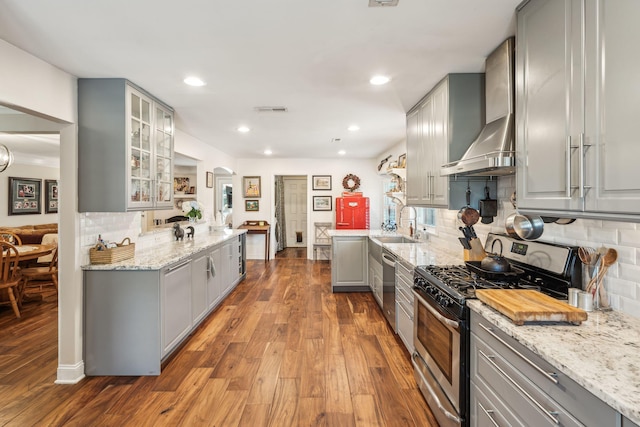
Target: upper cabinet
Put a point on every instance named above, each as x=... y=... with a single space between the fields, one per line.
x=576 y=142
x=439 y=129
x=125 y=148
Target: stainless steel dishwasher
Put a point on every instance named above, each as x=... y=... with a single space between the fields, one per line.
x=389 y=287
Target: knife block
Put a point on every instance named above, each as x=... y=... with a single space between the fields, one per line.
x=476 y=253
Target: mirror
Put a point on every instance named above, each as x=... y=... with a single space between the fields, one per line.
x=185 y=178
x=223 y=192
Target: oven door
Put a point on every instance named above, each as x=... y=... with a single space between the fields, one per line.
x=437 y=340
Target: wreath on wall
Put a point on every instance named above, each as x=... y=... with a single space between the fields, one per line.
x=351 y=182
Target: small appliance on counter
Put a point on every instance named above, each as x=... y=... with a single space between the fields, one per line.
x=441 y=366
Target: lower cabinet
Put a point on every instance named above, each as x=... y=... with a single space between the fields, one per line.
x=375 y=279
x=349 y=269
x=134 y=319
x=404 y=304
x=176 y=302
x=511 y=385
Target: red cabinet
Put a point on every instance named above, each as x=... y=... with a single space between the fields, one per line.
x=352 y=213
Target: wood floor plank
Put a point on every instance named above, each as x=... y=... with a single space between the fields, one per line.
x=267 y=377
x=284 y=409
x=366 y=411
x=338 y=390
x=282 y=349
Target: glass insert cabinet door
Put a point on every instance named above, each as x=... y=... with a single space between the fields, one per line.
x=150 y=145
x=164 y=150
x=140 y=147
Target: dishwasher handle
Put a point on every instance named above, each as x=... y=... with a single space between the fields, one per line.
x=389 y=259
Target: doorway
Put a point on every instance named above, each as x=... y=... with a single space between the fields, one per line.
x=291 y=211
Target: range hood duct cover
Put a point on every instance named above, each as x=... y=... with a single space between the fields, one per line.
x=493 y=151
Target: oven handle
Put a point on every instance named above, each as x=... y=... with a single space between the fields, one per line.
x=437 y=315
x=433 y=394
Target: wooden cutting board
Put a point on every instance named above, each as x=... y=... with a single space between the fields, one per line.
x=525 y=305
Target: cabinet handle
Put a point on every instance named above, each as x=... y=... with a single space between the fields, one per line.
x=212 y=267
x=175 y=267
x=550 y=414
x=551 y=376
x=489 y=414
x=583 y=152
x=568 y=165
x=432 y=193
x=437 y=315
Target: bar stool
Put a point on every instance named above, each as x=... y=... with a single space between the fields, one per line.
x=322 y=239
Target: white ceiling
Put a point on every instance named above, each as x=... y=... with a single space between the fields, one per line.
x=313 y=57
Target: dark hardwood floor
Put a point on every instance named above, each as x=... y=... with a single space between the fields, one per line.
x=281 y=350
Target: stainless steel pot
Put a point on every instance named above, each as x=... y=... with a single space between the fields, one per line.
x=524 y=227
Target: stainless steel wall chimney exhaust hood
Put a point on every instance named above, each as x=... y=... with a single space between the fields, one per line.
x=493 y=151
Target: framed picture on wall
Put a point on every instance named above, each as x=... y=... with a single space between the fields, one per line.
x=322 y=203
x=209 y=179
x=252 y=205
x=50 y=196
x=321 y=182
x=251 y=186
x=24 y=196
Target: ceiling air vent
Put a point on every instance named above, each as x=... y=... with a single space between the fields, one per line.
x=336 y=140
x=269 y=109
x=381 y=3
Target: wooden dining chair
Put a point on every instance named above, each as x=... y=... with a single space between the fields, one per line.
x=10 y=277
x=40 y=275
x=10 y=237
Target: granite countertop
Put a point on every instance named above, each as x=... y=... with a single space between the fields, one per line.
x=415 y=254
x=602 y=354
x=168 y=253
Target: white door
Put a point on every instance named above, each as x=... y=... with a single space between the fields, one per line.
x=295 y=211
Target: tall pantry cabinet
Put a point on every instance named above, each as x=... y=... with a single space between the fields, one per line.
x=125 y=148
x=577 y=108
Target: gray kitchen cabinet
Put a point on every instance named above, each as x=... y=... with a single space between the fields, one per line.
x=575 y=119
x=404 y=304
x=375 y=279
x=214 y=277
x=200 y=276
x=440 y=128
x=175 y=301
x=349 y=264
x=134 y=319
x=511 y=382
x=626 y=422
x=125 y=148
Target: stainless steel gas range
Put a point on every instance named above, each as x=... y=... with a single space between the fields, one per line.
x=441 y=331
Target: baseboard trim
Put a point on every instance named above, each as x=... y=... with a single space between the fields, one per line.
x=70 y=374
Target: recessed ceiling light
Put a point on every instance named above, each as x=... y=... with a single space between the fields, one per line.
x=353 y=128
x=194 y=81
x=268 y=152
x=379 y=80
x=342 y=152
x=243 y=129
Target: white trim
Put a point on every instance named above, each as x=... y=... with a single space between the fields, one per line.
x=70 y=374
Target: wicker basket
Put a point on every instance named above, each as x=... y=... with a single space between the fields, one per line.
x=110 y=255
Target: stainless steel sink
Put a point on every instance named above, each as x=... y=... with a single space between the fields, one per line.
x=393 y=239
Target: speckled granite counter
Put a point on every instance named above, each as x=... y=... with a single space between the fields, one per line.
x=416 y=254
x=602 y=354
x=168 y=253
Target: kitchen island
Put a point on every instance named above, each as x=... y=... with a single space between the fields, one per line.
x=602 y=354
x=138 y=311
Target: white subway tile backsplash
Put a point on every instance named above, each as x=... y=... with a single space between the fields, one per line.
x=623 y=288
x=630 y=306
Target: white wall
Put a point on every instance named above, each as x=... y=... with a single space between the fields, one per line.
x=31 y=85
x=26 y=171
x=267 y=169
